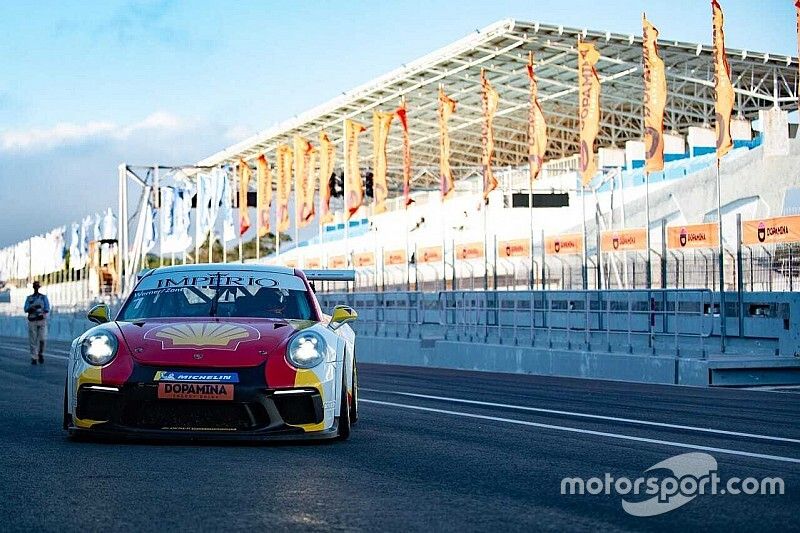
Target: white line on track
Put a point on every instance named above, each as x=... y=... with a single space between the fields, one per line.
x=587 y=415
x=590 y=432
x=22 y=350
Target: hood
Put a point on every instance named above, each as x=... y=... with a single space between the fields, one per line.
x=206 y=342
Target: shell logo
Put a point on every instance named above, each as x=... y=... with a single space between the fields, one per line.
x=202 y=335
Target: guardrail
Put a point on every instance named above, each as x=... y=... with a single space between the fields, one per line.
x=674 y=320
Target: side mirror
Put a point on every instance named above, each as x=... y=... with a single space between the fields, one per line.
x=342 y=314
x=98 y=314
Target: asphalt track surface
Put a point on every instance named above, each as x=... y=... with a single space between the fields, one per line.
x=413 y=463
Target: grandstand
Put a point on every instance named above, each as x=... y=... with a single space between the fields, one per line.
x=679 y=195
x=766 y=87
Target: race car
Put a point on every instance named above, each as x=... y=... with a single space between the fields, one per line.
x=216 y=351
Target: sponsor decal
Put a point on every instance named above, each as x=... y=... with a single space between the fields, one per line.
x=314 y=262
x=771 y=230
x=623 y=240
x=395 y=257
x=430 y=254
x=221 y=336
x=364 y=259
x=693 y=236
x=337 y=261
x=564 y=244
x=515 y=248
x=473 y=250
x=195 y=391
x=194 y=377
x=216 y=279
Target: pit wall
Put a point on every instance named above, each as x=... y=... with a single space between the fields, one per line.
x=644 y=336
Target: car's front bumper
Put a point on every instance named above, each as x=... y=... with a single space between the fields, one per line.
x=254 y=412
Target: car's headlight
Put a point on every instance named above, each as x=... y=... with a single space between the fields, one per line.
x=99 y=348
x=307 y=349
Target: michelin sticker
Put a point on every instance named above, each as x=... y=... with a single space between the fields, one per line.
x=196 y=377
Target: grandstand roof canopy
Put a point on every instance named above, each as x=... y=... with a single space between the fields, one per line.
x=760 y=80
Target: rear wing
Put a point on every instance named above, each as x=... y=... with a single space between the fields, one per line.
x=329 y=275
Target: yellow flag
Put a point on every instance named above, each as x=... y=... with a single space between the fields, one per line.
x=244 y=184
x=284 y=163
x=303 y=194
x=589 y=108
x=655 y=98
x=402 y=114
x=447 y=106
x=490 y=100
x=355 y=189
x=327 y=154
x=381 y=122
x=264 y=177
x=723 y=88
x=537 y=127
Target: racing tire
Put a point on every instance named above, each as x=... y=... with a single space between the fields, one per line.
x=354 y=406
x=67 y=420
x=344 y=416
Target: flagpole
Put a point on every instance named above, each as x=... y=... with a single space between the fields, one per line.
x=345 y=177
x=722 y=325
x=530 y=214
x=585 y=267
x=157 y=187
x=258 y=212
x=648 y=277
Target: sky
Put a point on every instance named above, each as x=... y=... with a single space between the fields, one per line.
x=87 y=85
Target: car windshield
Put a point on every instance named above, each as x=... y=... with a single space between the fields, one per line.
x=226 y=296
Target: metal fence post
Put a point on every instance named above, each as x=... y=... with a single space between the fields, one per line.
x=739 y=277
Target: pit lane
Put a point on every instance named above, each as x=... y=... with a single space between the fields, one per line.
x=434 y=449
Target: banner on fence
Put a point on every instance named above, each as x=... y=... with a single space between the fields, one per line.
x=430 y=254
x=567 y=244
x=514 y=248
x=364 y=259
x=470 y=250
x=771 y=230
x=312 y=262
x=337 y=261
x=693 y=236
x=291 y=263
x=626 y=240
x=394 y=257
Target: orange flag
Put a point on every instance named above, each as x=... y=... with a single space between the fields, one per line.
x=589 y=108
x=303 y=201
x=537 y=127
x=327 y=155
x=723 y=88
x=284 y=167
x=490 y=102
x=447 y=106
x=381 y=122
x=655 y=98
x=355 y=189
x=244 y=184
x=402 y=114
x=264 y=195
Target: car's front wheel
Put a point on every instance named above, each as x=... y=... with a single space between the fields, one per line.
x=354 y=405
x=67 y=421
x=344 y=415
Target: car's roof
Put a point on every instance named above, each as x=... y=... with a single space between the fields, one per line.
x=224 y=267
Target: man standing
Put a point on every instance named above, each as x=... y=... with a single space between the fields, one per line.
x=37 y=306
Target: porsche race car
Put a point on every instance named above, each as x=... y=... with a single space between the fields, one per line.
x=216 y=351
